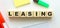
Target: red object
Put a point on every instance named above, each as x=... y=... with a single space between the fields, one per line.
x=1 y=21
x=1 y=18
x=1 y=26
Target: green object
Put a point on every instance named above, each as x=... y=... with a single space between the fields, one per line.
x=43 y=4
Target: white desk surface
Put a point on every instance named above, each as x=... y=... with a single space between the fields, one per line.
x=6 y=5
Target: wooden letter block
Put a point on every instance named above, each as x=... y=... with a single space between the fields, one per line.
x=30 y=14
x=16 y=14
x=49 y=13
x=36 y=13
x=23 y=14
x=43 y=14
x=11 y=14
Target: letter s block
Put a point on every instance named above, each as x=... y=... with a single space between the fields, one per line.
x=30 y=14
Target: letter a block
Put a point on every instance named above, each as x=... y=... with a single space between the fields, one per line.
x=23 y=14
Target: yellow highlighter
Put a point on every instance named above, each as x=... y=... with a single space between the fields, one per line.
x=21 y=2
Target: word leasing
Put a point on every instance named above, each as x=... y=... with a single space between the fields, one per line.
x=30 y=14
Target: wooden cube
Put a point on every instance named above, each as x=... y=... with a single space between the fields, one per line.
x=30 y=14
x=49 y=13
x=43 y=14
x=36 y=13
x=16 y=13
x=23 y=14
x=10 y=14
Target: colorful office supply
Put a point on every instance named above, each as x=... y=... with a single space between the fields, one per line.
x=40 y=2
x=21 y=2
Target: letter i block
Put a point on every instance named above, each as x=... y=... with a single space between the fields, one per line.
x=10 y=14
x=43 y=14
x=23 y=14
x=30 y=14
x=36 y=13
x=49 y=14
x=16 y=14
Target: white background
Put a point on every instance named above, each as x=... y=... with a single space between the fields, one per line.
x=54 y=22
